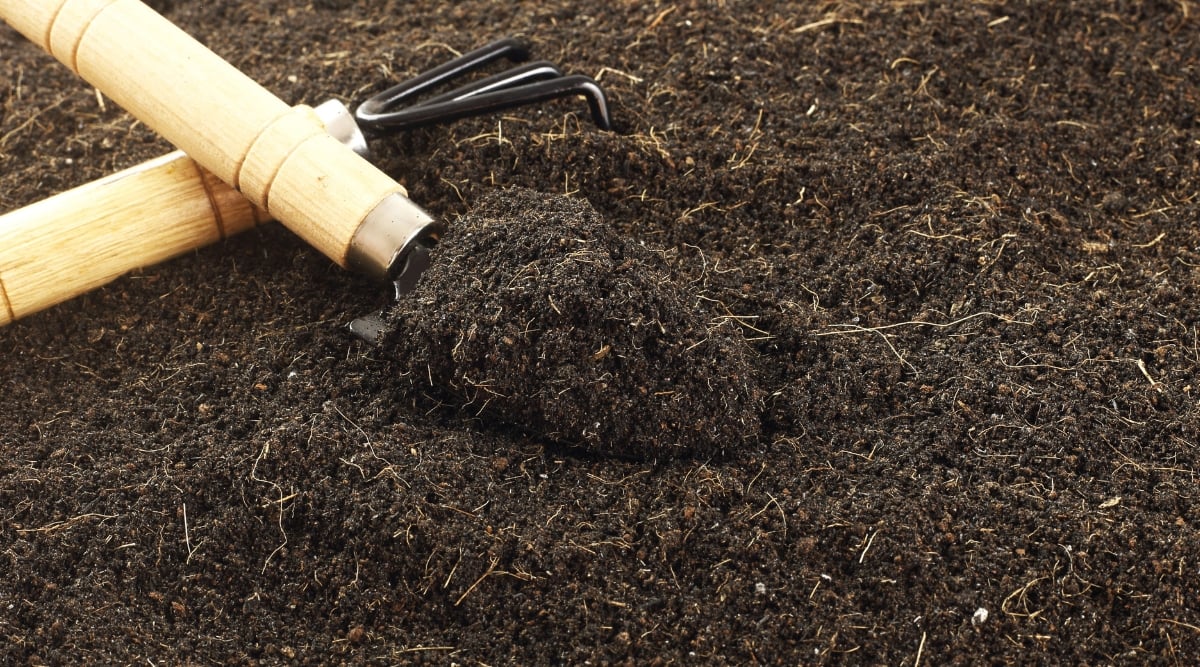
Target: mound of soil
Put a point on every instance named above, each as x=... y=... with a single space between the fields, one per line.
x=536 y=313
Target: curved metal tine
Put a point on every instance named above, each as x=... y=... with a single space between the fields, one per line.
x=505 y=98
x=511 y=78
x=509 y=47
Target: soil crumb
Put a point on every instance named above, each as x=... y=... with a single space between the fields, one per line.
x=536 y=313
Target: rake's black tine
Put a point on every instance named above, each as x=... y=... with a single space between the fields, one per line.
x=511 y=48
x=506 y=98
x=512 y=78
x=527 y=84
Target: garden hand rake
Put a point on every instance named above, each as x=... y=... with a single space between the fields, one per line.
x=280 y=158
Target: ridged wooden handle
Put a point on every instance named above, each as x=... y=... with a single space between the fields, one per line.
x=76 y=241
x=278 y=157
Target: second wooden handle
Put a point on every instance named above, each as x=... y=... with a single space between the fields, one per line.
x=76 y=241
x=278 y=157
x=81 y=239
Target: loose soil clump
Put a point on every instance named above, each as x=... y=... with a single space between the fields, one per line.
x=537 y=313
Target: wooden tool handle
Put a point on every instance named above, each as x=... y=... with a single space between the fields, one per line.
x=277 y=156
x=74 y=242
x=71 y=243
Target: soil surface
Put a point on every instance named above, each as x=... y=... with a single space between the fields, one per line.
x=949 y=250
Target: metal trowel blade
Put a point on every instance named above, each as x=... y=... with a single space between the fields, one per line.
x=371 y=328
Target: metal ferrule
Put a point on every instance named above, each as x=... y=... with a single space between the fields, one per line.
x=340 y=125
x=389 y=235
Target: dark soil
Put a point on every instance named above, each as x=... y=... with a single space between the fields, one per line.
x=536 y=313
x=958 y=242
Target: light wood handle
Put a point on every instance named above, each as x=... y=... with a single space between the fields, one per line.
x=81 y=239
x=277 y=156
